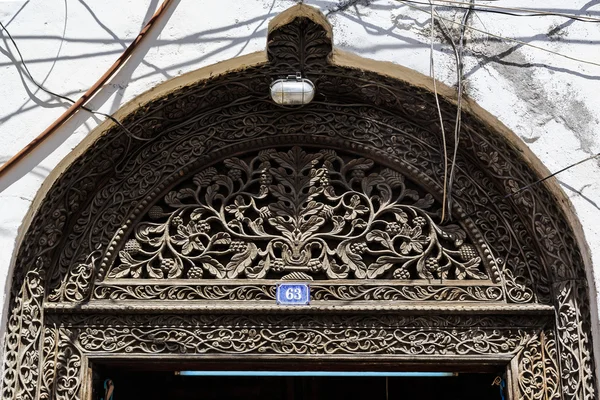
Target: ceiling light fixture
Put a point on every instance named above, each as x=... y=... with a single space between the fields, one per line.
x=293 y=90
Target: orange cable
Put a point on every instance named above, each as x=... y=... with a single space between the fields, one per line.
x=4 y=168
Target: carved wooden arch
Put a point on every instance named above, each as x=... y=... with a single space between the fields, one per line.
x=166 y=241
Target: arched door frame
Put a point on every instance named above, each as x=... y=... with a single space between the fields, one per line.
x=63 y=314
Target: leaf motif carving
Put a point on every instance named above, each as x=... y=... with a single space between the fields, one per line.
x=381 y=237
x=310 y=211
x=241 y=261
x=124 y=269
x=393 y=178
x=358 y=163
x=425 y=202
x=204 y=178
x=422 y=270
x=354 y=262
x=378 y=267
x=470 y=268
x=213 y=266
x=453 y=232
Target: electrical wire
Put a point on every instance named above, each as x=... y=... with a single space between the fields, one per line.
x=4 y=168
x=439 y=109
x=457 y=54
x=407 y=3
x=446 y=32
x=519 y=190
x=459 y=75
x=506 y=10
x=51 y=93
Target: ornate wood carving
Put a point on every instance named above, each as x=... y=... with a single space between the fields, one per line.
x=312 y=214
x=22 y=341
x=538 y=375
x=329 y=335
x=301 y=46
x=573 y=336
x=219 y=183
x=319 y=291
x=61 y=366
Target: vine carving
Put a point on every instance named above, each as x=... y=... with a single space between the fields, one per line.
x=296 y=210
x=538 y=372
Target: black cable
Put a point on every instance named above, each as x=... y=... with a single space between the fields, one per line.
x=522 y=189
x=31 y=78
x=537 y=14
x=459 y=70
x=113 y=119
x=551 y=175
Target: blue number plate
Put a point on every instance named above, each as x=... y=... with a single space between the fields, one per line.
x=296 y=294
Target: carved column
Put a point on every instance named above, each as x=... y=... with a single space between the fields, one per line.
x=21 y=358
x=61 y=368
x=574 y=339
x=536 y=369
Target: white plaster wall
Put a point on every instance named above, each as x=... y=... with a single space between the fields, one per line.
x=551 y=102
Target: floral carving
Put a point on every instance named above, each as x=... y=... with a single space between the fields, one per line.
x=282 y=211
x=538 y=377
x=299 y=46
x=321 y=335
x=297 y=340
x=546 y=233
x=319 y=291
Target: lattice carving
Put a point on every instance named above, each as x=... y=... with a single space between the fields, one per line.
x=280 y=211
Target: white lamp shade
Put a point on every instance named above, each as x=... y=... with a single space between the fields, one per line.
x=292 y=91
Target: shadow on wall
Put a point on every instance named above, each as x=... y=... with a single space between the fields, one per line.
x=500 y=56
x=351 y=10
x=138 y=57
x=580 y=193
x=32 y=161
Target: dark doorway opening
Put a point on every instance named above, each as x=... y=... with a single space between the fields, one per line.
x=162 y=385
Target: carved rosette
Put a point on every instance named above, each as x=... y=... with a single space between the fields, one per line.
x=221 y=193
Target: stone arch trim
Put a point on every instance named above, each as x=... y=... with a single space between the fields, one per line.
x=59 y=315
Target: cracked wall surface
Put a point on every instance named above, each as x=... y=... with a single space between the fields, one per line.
x=551 y=102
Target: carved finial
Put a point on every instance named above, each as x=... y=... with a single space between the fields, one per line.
x=300 y=40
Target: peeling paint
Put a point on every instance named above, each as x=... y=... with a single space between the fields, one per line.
x=541 y=105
